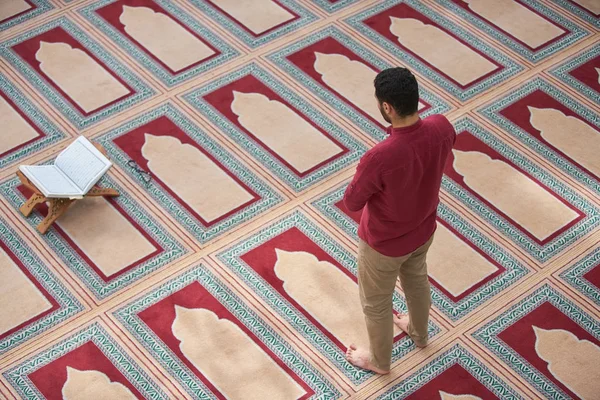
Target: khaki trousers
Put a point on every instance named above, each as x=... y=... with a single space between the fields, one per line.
x=377 y=275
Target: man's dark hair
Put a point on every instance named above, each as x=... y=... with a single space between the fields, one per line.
x=399 y=88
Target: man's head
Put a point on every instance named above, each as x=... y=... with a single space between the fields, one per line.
x=397 y=93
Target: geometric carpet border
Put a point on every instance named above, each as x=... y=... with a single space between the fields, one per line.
x=541 y=252
x=491 y=113
x=282 y=307
x=255 y=150
x=226 y=52
x=306 y=17
x=574 y=276
x=142 y=90
x=52 y=134
x=279 y=58
x=451 y=309
x=268 y=196
x=74 y=262
x=457 y=354
x=562 y=72
x=576 y=32
x=585 y=15
x=128 y=317
x=18 y=376
x=69 y=305
x=487 y=335
x=511 y=68
x=335 y=5
x=41 y=7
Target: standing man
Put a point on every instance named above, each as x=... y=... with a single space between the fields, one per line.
x=397 y=185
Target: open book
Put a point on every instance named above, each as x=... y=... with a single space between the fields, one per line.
x=76 y=169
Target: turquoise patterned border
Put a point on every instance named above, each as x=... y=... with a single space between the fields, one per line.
x=488 y=335
x=306 y=17
x=541 y=253
x=254 y=149
x=574 y=276
x=576 y=34
x=562 y=72
x=453 y=310
x=101 y=289
x=333 y=7
x=269 y=197
x=142 y=91
x=128 y=316
x=18 y=376
x=455 y=355
x=42 y=7
x=492 y=113
x=511 y=68
x=53 y=134
x=231 y=258
x=325 y=205
x=69 y=305
x=438 y=106
x=132 y=49
x=585 y=15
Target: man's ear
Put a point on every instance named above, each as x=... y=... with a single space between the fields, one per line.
x=387 y=107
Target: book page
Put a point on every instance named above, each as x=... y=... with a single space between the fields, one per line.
x=50 y=181
x=82 y=163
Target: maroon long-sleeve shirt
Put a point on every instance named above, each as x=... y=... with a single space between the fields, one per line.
x=398 y=183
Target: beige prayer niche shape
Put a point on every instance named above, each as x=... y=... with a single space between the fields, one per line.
x=194 y=177
x=572 y=361
x=79 y=76
x=449 y=396
x=232 y=362
x=15 y=129
x=10 y=8
x=517 y=20
x=92 y=384
x=326 y=293
x=20 y=299
x=271 y=14
x=454 y=264
x=569 y=134
x=104 y=235
x=441 y=50
x=283 y=130
x=164 y=37
x=514 y=193
x=353 y=80
x=598 y=72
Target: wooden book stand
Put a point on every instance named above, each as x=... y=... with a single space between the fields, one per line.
x=56 y=206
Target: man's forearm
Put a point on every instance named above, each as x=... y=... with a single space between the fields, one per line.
x=351 y=202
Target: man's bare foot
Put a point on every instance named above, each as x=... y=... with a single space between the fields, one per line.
x=402 y=321
x=362 y=359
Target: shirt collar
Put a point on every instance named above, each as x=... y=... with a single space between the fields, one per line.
x=405 y=129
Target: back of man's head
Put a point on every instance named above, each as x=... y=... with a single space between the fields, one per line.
x=399 y=88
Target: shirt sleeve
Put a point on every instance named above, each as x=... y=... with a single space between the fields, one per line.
x=366 y=183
